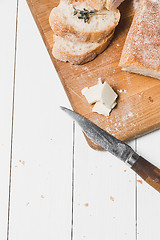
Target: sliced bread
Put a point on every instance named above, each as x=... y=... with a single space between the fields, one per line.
x=100 y=4
x=94 y=4
x=66 y=25
x=141 y=52
x=112 y=4
x=78 y=52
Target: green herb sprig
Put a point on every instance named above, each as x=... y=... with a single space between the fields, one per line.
x=84 y=14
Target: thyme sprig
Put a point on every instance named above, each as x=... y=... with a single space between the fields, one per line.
x=83 y=14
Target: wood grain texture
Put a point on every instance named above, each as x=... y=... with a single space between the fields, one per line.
x=148 y=172
x=138 y=109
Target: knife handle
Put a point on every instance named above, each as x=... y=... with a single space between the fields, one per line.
x=148 y=172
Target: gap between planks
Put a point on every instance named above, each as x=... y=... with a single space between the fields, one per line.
x=73 y=182
x=11 y=149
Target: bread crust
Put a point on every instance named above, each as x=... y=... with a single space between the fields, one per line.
x=70 y=33
x=84 y=58
x=142 y=47
x=100 y=4
x=95 y=4
x=113 y=4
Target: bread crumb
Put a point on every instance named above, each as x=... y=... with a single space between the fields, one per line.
x=150 y=99
x=112 y=198
x=22 y=162
x=42 y=196
x=86 y=204
x=121 y=90
x=28 y=203
x=140 y=181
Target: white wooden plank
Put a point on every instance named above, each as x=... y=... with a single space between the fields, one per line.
x=104 y=199
x=7 y=51
x=148 y=198
x=42 y=143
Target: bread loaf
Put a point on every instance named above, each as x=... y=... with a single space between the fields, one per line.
x=141 y=52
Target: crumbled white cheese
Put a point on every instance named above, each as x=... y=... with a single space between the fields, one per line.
x=108 y=96
x=103 y=96
x=93 y=94
x=100 y=92
x=100 y=108
x=113 y=105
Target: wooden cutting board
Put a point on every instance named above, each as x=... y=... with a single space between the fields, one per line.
x=138 y=109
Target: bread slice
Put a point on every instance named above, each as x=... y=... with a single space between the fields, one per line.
x=100 y=4
x=65 y=25
x=141 y=52
x=112 y=4
x=94 y=4
x=78 y=52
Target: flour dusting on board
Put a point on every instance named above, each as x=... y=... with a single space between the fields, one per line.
x=121 y=121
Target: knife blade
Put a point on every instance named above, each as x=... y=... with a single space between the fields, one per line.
x=121 y=150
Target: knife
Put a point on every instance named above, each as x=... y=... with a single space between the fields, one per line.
x=146 y=170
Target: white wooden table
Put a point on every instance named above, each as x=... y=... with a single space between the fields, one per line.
x=52 y=185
